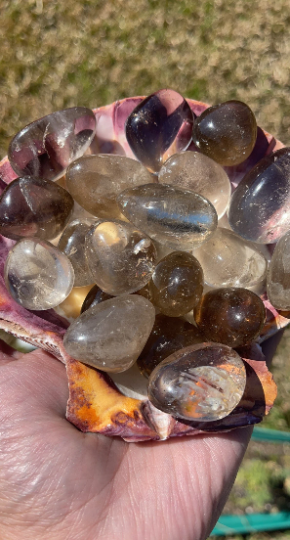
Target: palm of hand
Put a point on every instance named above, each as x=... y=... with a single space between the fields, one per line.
x=58 y=483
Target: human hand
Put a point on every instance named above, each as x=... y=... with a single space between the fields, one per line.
x=57 y=483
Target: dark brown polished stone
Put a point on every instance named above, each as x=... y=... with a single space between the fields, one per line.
x=94 y=297
x=233 y=316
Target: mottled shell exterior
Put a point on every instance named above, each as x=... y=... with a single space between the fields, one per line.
x=95 y=403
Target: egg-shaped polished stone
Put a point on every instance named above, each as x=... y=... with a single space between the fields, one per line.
x=169 y=214
x=177 y=284
x=226 y=132
x=228 y=260
x=94 y=297
x=32 y=207
x=202 y=382
x=278 y=279
x=38 y=275
x=111 y=335
x=96 y=181
x=72 y=243
x=233 y=316
x=260 y=206
x=160 y=124
x=45 y=147
x=121 y=258
x=169 y=334
x=198 y=173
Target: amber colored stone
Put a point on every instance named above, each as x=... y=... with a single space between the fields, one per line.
x=111 y=335
x=260 y=206
x=226 y=132
x=72 y=243
x=96 y=181
x=71 y=306
x=177 y=284
x=233 y=316
x=45 y=147
x=161 y=121
x=32 y=207
x=169 y=334
x=278 y=279
x=94 y=297
x=203 y=382
x=169 y=214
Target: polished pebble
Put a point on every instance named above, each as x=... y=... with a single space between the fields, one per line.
x=32 y=207
x=177 y=284
x=38 y=275
x=45 y=147
x=159 y=126
x=111 y=335
x=169 y=334
x=94 y=297
x=228 y=260
x=278 y=280
x=233 y=316
x=198 y=173
x=226 y=132
x=260 y=206
x=169 y=214
x=121 y=258
x=72 y=243
x=201 y=383
x=96 y=181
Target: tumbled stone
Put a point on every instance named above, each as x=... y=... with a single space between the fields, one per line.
x=228 y=260
x=159 y=126
x=96 y=181
x=260 y=206
x=111 y=335
x=169 y=334
x=45 y=147
x=278 y=279
x=38 y=275
x=94 y=297
x=33 y=207
x=171 y=215
x=201 y=383
x=120 y=257
x=226 y=132
x=177 y=284
x=233 y=316
x=198 y=173
x=72 y=243
x=71 y=306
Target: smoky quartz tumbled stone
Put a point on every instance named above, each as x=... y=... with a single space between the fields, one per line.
x=111 y=335
x=46 y=147
x=94 y=297
x=226 y=132
x=202 y=383
x=233 y=316
x=162 y=121
x=278 y=279
x=96 y=181
x=38 y=275
x=32 y=207
x=177 y=284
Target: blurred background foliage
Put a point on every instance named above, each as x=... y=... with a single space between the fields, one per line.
x=92 y=52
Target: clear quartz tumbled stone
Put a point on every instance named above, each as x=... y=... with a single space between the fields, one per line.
x=278 y=279
x=38 y=275
x=202 y=382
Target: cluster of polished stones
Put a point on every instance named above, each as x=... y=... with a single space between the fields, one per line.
x=176 y=282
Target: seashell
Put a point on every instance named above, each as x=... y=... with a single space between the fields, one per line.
x=118 y=405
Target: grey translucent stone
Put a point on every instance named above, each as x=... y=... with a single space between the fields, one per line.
x=111 y=335
x=96 y=181
x=120 y=257
x=260 y=206
x=199 y=173
x=72 y=243
x=176 y=216
x=46 y=147
x=202 y=382
x=38 y=275
x=278 y=279
x=228 y=260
